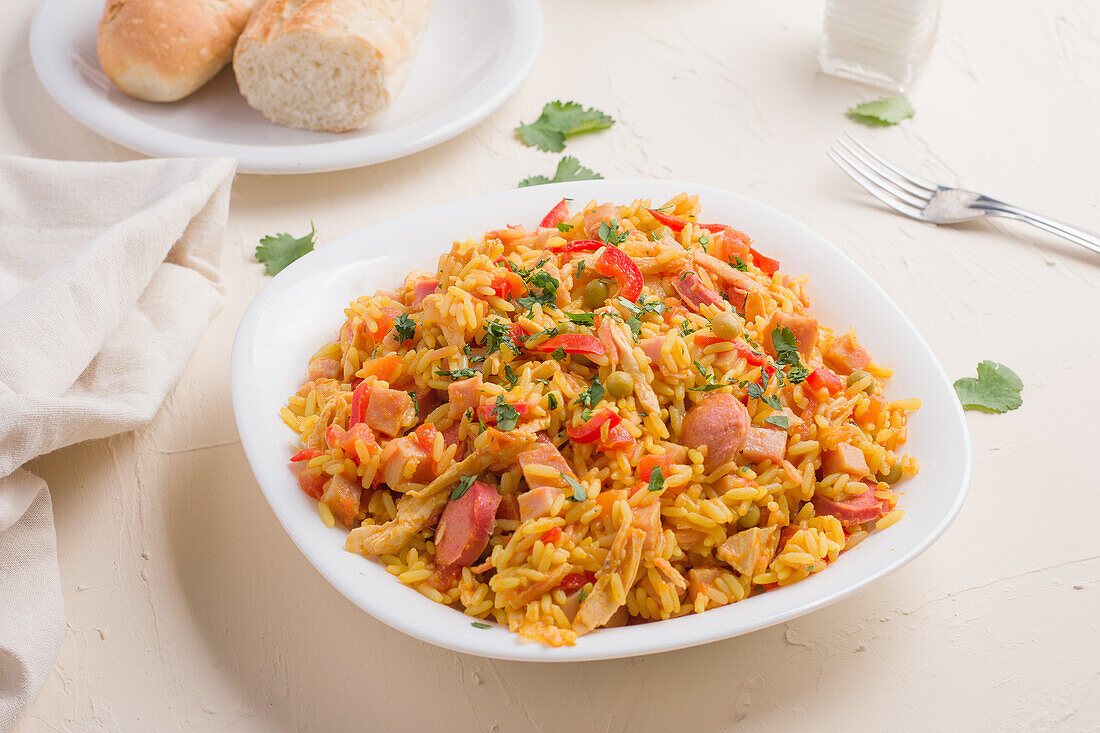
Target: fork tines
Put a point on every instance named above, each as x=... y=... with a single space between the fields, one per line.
x=898 y=189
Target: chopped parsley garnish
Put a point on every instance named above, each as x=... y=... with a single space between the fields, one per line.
x=563 y=227
x=277 y=251
x=657 y=479
x=582 y=319
x=507 y=415
x=560 y=120
x=480 y=625
x=711 y=383
x=997 y=389
x=786 y=349
x=496 y=334
x=456 y=374
x=635 y=326
x=591 y=396
x=557 y=354
x=542 y=288
x=581 y=265
x=569 y=169
x=470 y=354
x=510 y=375
x=773 y=402
x=416 y=405
x=579 y=492
x=582 y=595
x=552 y=401
x=611 y=233
x=404 y=327
x=704 y=240
x=739 y=264
x=643 y=306
x=464 y=484
x=779 y=421
x=685 y=327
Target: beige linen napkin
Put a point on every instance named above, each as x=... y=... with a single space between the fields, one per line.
x=108 y=277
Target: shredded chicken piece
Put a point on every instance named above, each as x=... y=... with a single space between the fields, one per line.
x=749 y=552
x=535 y=591
x=624 y=345
x=725 y=273
x=415 y=509
x=623 y=559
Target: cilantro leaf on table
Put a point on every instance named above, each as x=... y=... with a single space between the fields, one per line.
x=560 y=120
x=277 y=251
x=882 y=112
x=569 y=169
x=997 y=389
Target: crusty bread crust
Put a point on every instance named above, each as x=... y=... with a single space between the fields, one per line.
x=328 y=64
x=162 y=50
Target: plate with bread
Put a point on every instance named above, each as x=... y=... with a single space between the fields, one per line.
x=284 y=86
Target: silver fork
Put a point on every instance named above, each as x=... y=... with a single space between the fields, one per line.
x=921 y=199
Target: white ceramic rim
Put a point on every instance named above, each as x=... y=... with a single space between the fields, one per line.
x=107 y=120
x=453 y=632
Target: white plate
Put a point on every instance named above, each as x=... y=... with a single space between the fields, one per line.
x=303 y=306
x=473 y=57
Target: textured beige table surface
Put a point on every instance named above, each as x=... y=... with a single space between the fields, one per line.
x=189 y=608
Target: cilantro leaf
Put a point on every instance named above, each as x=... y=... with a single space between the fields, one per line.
x=656 y=479
x=786 y=354
x=611 y=233
x=591 y=396
x=497 y=334
x=552 y=401
x=582 y=319
x=464 y=484
x=507 y=415
x=404 y=327
x=480 y=625
x=563 y=227
x=783 y=339
x=739 y=264
x=277 y=251
x=579 y=492
x=560 y=120
x=557 y=354
x=635 y=326
x=997 y=389
x=882 y=112
x=510 y=375
x=415 y=401
x=569 y=169
x=779 y=421
x=456 y=374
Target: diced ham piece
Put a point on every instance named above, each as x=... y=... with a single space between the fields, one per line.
x=762 y=444
x=324 y=368
x=342 y=497
x=845 y=356
x=544 y=454
x=749 y=552
x=422 y=288
x=865 y=507
x=464 y=395
x=652 y=348
x=719 y=422
x=509 y=507
x=803 y=328
x=537 y=502
x=397 y=456
x=464 y=529
x=389 y=410
x=312 y=481
x=693 y=292
x=648 y=519
x=593 y=218
x=699 y=579
x=845 y=458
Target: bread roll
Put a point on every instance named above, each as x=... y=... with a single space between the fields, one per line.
x=327 y=64
x=162 y=50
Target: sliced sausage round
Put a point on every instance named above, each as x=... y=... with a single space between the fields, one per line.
x=719 y=422
x=466 y=524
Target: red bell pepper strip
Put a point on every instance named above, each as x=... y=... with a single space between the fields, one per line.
x=766 y=264
x=672 y=222
x=572 y=581
x=824 y=378
x=613 y=262
x=747 y=354
x=507 y=284
x=359 y=399
x=306 y=454
x=518 y=334
x=578 y=245
x=556 y=215
x=551 y=536
x=590 y=431
x=617 y=438
x=571 y=343
x=425 y=436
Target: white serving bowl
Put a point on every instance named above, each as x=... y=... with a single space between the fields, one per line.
x=301 y=308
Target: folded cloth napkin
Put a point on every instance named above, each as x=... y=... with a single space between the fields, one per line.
x=108 y=277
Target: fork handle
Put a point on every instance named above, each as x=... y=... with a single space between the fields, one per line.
x=1073 y=234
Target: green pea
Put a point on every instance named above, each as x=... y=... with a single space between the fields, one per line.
x=892 y=476
x=725 y=326
x=855 y=377
x=619 y=384
x=595 y=294
x=749 y=519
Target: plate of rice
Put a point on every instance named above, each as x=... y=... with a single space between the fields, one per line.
x=594 y=420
